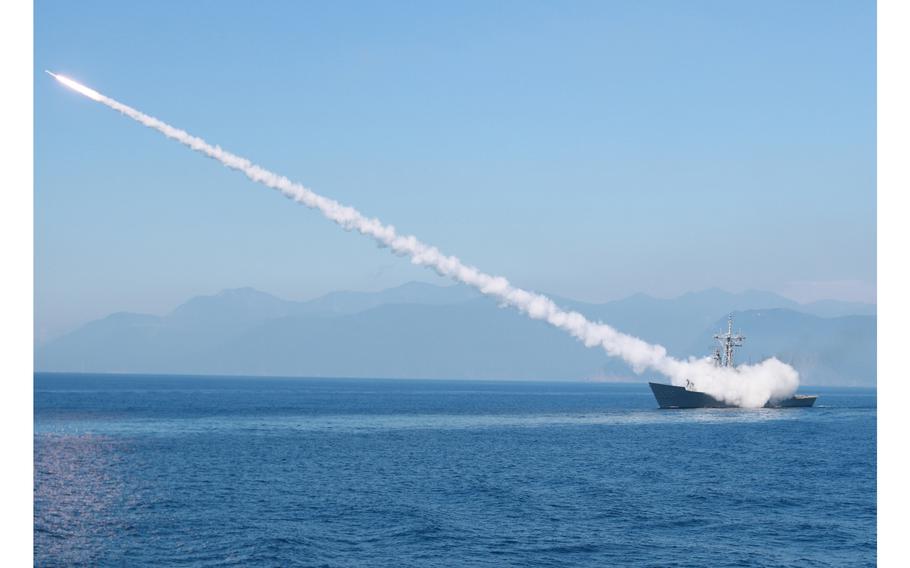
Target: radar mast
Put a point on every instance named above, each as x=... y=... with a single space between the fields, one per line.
x=723 y=355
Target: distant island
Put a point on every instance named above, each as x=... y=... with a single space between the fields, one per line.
x=420 y=330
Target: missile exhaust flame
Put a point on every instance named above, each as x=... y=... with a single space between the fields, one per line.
x=746 y=385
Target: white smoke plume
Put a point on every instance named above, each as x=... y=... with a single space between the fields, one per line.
x=746 y=385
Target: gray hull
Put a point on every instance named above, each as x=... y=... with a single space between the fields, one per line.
x=669 y=396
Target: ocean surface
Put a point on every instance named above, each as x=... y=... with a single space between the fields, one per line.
x=219 y=471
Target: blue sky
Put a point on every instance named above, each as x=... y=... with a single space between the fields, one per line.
x=591 y=150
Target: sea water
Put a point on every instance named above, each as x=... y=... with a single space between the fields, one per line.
x=231 y=471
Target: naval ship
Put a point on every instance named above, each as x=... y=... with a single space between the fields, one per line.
x=669 y=396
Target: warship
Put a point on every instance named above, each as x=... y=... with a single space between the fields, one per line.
x=669 y=396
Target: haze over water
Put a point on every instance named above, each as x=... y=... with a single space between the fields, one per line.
x=207 y=471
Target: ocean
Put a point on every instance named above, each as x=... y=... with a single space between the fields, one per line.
x=229 y=471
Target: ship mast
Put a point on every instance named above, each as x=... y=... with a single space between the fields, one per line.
x=723 y=355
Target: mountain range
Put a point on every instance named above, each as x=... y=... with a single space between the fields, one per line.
x=420 y=330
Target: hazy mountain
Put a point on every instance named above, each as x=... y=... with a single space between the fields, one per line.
x=421 y=330
x=346 y=302
x=835 y=308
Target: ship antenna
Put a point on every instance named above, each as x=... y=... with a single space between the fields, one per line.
x=723 y=354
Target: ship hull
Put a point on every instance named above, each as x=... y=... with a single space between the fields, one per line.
x=669 y=396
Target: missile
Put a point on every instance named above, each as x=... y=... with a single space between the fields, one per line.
x=78 y=87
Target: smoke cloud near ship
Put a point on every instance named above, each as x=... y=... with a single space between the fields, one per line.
x=746 y=385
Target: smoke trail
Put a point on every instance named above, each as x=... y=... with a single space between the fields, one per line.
x=746 y=385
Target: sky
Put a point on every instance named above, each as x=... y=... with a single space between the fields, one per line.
x=586 y=149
